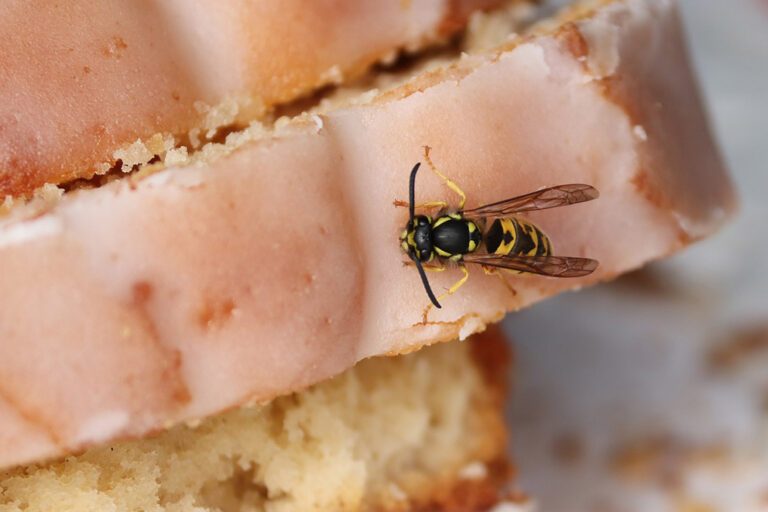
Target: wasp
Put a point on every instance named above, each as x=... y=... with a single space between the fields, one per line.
x=509 y=242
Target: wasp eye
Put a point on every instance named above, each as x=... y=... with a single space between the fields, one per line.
x=421 y=220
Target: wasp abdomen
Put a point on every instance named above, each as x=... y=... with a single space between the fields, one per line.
x=516 y=237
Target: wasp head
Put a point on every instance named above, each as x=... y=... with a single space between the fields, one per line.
x=417 y=236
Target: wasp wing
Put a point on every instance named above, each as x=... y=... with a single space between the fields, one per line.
x=552 y=197
x=552 y=266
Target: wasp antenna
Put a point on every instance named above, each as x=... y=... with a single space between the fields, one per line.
x=412 y=193
x=424 y=279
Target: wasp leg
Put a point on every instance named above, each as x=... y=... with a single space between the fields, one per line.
x=428 y=268
x=458 y=284
x=430 y=205
x=496 y=272
x=448 y=183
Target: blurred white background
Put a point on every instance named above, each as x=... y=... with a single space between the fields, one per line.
x=651 y=394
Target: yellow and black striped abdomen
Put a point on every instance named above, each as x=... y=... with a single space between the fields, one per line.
x=518 y=237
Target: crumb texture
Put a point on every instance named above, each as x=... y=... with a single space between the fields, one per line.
x=387 y=435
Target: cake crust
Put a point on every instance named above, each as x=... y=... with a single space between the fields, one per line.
x=108 y=80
